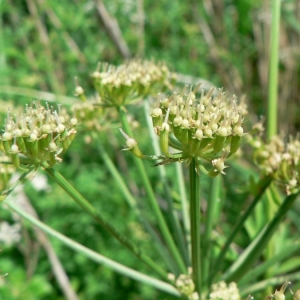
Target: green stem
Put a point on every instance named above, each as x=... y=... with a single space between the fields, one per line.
x=58 y=178
x=184 y=206
x=151 y=197
x=273 y=69
x=260 y=189
x=133 y=203
x=11 y=188
x=254 y=250
x=273 y=97
x=163 y=286
x=212 y=202
x=117 y=177
x=36 y=94
x=172 y=215
x=195 y=225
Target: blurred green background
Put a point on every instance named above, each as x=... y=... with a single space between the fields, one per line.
x=45 y=44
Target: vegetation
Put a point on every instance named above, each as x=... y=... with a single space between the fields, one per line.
x=174 y=225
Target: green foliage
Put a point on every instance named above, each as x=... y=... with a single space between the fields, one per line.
x=223 y=42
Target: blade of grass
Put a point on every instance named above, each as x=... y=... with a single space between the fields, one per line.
x=13 y=90
x=275 y=281
x=261 y=187
x=255 y=249
x=260 y=269
x=163 y=286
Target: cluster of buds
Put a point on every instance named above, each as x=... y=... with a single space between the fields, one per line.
x=88 y=114
x=185 y=285
x=279 y=160
x=223 y=291
x=209 y=128
x=129 y=81
x=38 y=136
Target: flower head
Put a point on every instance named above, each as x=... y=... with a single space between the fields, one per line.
x=224 y=291
x=200 y=128
x=130 y=81
x=38 y=136
x=279 y=159
x=185 y=285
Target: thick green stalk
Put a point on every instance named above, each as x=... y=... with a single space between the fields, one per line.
x=273 y=96
x=58 y=178
x=215 y=185
x=121 y=269
x=195 y=225
x=273 y=71
x=172 y=215
x=260 y=189
x=151 y=197
x=255 y=249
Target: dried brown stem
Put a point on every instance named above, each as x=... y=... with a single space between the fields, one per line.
x=113 y=29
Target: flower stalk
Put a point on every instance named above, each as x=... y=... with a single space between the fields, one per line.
x=195 y=226
x=152 y=199
x=58 y=178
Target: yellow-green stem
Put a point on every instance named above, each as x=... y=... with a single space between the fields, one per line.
x=273 y=70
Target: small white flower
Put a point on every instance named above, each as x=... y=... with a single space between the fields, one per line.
x=10 y=234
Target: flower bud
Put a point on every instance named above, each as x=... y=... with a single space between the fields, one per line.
x=279 y=295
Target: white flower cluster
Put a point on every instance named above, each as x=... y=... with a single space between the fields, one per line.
x=222 y=291
x=143 y=72
x=10 y=234
x=132 y=80
x=185 y=285
x=88 y=115
x=39 y=135
x=200 y=127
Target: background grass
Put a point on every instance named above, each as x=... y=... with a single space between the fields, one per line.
x=45 y=44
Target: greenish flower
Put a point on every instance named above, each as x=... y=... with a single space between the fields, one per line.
x=133 y=80
x=185 y=284
x=278 y=159
x=38 y=136
x=208 y=128
x=223 y=291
